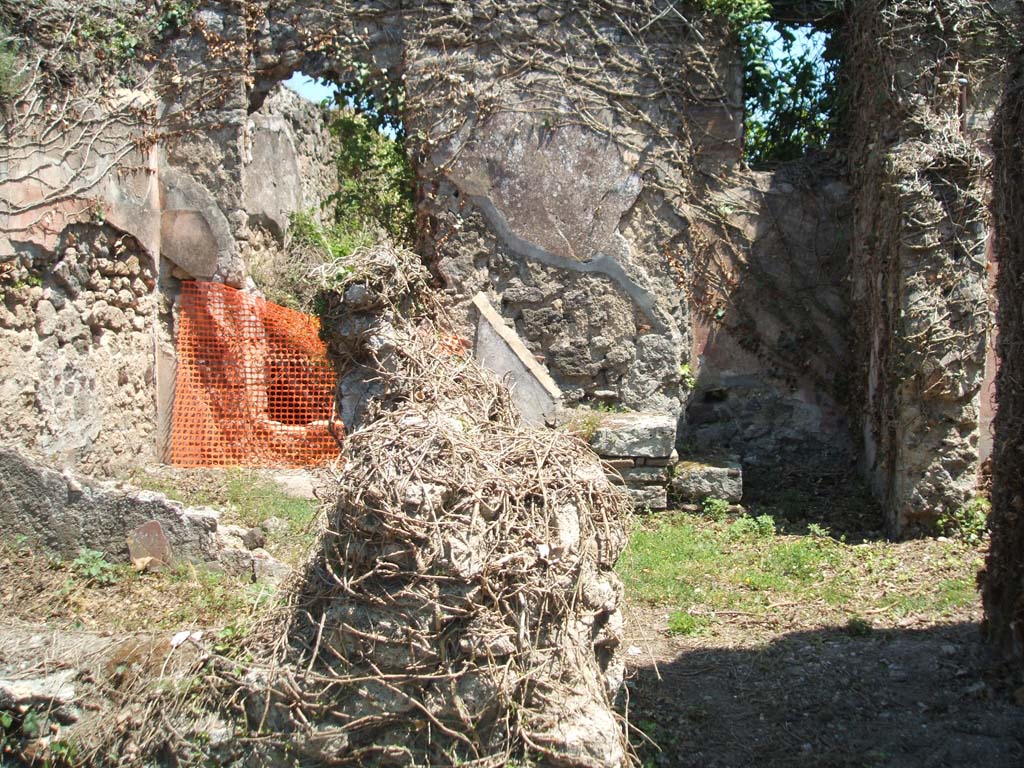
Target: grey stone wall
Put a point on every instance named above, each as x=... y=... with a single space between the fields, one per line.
x=579 y=164
x=919 y=248
x=76 y=347
x=559 y=200
x=228 y=193
x=772 y=342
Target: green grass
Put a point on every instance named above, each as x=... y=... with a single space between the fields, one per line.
x=89 y=592
x=683 y=623
x=698 y=567
x=247 y=498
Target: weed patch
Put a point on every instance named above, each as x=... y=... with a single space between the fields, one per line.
x=702 y=570
x=247 y=498
x=969 y=523
x=91 y=593
x=683 y=623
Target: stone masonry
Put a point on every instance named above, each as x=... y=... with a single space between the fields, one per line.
x=639 y=451
x=76 y=347
x=581 y=166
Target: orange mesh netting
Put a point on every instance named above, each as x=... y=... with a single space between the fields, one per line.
x=254 y=385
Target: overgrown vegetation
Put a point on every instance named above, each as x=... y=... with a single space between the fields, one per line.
x=968 y=523
x=91 y=593
x=376 y=179
x=245 y=497
x=788 y=82
x=92 y=567
x=714 y=508
x=374 y=201
x=10 y=67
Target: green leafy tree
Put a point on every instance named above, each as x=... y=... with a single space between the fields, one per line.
x=789 y=92
x=376 y=186
x=788 y=82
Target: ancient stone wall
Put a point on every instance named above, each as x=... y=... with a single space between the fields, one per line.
x=580 y=164
x=919 y=245
x=568 y=170
x=559 y=146
x=772 y=338
x=77 y=328
x=1003 y=579
x=100 y=221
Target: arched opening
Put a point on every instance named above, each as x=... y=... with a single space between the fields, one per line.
x=371 y=191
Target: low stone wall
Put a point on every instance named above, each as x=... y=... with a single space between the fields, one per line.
x=638 y=450
x=76 y=347
x=64 y=514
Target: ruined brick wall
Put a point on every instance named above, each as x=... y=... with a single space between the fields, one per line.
x=919 y=268
x=580 y=162
x=1003 y=578
x=198 y=187
x=77 y=329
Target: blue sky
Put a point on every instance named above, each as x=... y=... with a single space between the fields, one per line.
x=308 y=88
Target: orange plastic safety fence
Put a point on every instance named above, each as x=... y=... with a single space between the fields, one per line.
x=254 y=385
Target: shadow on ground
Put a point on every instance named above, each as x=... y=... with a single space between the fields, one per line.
x=798 y=498
x=899 y=698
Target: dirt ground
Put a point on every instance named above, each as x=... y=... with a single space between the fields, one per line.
x=914 y=696
x=790 y=685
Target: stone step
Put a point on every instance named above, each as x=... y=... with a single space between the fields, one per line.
x=634 y=435
x=710 y=478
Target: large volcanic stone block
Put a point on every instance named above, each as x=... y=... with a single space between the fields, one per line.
x=647 y=435
x=719 y=479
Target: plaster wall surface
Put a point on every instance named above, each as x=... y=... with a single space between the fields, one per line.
x=772 y=361
x=1002 y=581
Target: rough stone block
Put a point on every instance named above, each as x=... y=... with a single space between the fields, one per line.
x=649 y=497
x=148 y=547
x=666 y=461
x=648 y=435
x=620 y=465
x=720 y=479
x=646 y=476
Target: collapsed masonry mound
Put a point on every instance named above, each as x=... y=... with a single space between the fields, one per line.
x=464 y=606
x=461 y=607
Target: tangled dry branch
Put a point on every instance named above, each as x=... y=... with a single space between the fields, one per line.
x=461 y=606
